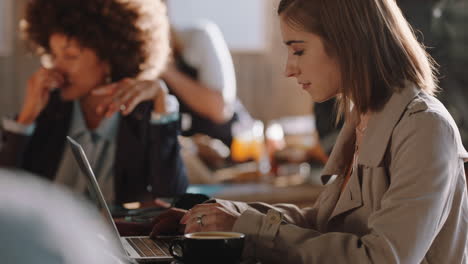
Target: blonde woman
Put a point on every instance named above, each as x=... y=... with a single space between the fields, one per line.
x=396 y=191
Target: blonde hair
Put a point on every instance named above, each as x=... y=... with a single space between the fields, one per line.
x=376 y=48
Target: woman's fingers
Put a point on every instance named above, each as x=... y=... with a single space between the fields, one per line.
x=209 y=217
x=127 y=102
x=125 y=95
x=168 y=222
x=54 y=80
x=111 y=109
x=111 y=94
x=197 y=210
x=131 y=101
x=103 y=107
x=37 y=93
x=119 y=97
x=191 y=224
x=108 y=89
x=165 y=226
x=121 y=90
x=203 y=223
x=47 y=80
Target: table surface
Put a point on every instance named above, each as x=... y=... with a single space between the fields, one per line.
x=301 y=195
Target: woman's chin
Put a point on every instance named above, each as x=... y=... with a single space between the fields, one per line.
x=321 y=98
x=318 y=100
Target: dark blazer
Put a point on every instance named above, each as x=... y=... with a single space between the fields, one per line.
x=147 y=159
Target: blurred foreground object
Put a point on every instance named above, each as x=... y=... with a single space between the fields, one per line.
x=41 y=223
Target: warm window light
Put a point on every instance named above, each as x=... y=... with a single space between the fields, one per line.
x=131 y=206
x=275 y=132
x=245 y=33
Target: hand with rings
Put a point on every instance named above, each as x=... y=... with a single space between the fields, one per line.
x=209 y=217
x=200 y=220
x=123 y=96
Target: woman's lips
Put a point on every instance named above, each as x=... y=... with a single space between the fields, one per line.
x=305 y=86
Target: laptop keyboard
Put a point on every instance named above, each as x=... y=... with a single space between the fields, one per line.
x=147 y=247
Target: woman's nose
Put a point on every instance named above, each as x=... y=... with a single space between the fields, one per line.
x=291 y=70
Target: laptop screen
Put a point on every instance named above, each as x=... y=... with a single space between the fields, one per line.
x=93 y=185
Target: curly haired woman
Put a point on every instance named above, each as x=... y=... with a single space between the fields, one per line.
x=104 y=56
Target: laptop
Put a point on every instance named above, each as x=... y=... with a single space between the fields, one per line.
x=136 y=248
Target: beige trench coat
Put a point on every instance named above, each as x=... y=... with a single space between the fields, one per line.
x=406 y=201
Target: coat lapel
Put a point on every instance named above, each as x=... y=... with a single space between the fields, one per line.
x=336 y=166
x=349 y=199
x=372 y=151
x=342 y=152
x=329 y=199
x=381 y=125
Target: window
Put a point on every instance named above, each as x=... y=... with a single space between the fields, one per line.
x=243 y=22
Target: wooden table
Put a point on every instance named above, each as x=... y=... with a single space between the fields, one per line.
x=300 y=195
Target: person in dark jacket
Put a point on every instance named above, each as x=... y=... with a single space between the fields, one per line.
x=101 y=58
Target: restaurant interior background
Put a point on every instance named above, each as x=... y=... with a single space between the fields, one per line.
x=250 y=28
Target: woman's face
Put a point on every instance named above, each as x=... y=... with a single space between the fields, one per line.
x=309 y=63
x=82 y=69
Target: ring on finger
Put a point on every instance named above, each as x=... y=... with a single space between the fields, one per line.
x=200 y=220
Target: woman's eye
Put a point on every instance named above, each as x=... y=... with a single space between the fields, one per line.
x=298 y=53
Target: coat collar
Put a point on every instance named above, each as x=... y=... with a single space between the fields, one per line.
x=106 y=130
x=375 y=140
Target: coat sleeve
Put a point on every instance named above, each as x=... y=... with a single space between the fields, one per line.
x=423 y=171
x=292 y=214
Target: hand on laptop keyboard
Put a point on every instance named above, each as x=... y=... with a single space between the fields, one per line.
x=168 y=223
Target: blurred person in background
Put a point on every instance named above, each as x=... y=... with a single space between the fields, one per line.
x=202 y=76
x=43 y=223
x=104 y=57
x=395 y=187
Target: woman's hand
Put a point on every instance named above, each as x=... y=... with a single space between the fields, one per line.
x=209 y=217
x=168 y=223
x=126 y=94
x=39 y=86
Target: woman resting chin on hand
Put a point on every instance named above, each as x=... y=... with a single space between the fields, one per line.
x=101 y=89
